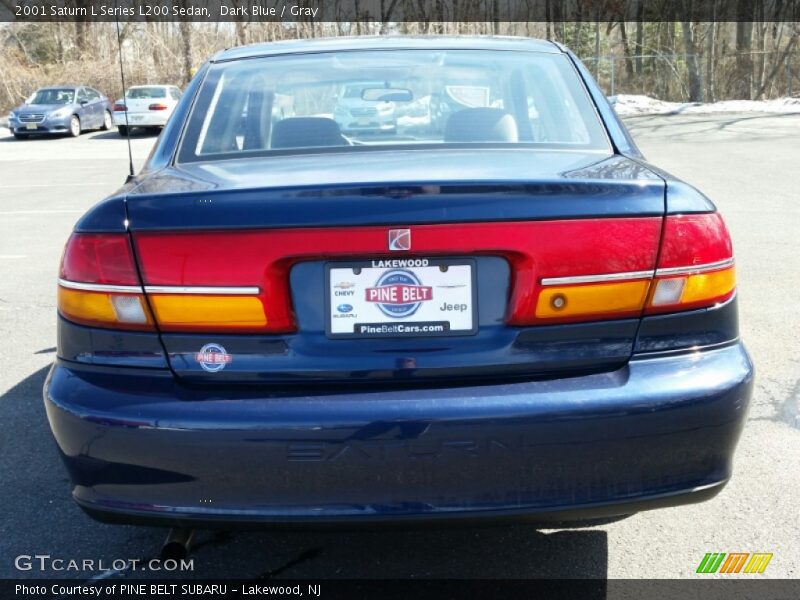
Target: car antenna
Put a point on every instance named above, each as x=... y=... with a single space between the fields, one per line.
x=124 y=100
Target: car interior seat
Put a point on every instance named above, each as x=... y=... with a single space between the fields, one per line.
x=481 y=124
x=307 y=132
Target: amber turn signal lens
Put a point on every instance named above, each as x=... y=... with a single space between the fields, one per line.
x=186 y=312
x=104 y=309
x=598 y=299
x=693 y=290
x=709 y=286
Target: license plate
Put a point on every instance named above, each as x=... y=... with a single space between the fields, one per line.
x=362 y=120
x=135 y=117
x=406 y=297
x=31 y=126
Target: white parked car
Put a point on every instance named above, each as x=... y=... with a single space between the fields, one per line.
x=145 y=106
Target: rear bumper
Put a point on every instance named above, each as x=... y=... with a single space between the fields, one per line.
x=658 y=432
x=146 y=119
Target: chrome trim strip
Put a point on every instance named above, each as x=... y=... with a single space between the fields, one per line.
x=694 y=269
x=161 y=289
x=199 y=289
x=99 y=287
x=597 y=278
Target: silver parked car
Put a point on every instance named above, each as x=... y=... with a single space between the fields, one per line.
x=356 y=113
x=61 y=110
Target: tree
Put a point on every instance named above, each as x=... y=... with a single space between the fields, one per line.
x=692 y=64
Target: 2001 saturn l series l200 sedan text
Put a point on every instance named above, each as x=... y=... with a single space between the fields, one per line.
x=497 y=308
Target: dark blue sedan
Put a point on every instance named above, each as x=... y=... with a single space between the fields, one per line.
x=507 y=314
x=61 y=110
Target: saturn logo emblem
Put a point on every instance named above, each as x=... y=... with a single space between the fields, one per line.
x=399 y=239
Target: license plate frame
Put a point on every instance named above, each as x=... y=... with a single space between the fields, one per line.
x=377 y=269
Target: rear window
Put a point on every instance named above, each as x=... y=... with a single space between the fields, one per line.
x=146 y=93
x=390 y=99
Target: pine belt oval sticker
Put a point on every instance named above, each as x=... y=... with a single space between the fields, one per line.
x=213 y=358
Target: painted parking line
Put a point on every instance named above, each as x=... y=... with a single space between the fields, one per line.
x=39 y=185
x=55 y=211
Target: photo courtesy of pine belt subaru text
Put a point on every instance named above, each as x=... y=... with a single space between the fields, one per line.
x=388 y=278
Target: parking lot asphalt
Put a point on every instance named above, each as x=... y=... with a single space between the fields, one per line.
x=748 y=164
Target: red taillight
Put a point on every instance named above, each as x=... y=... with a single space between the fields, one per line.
x=695 y=266
x=99 y=285
x=157 y=106
x=691 y=240
x=99 y=258
x=119 y=108
x=694 y=270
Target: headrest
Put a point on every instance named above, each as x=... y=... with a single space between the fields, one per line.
x=481 y=125
x=306 y=132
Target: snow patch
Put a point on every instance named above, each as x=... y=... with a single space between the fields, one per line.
x=630 y=104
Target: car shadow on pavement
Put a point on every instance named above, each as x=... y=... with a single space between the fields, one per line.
x=516 y=551
x=32 y=138
x=92 y=134
x=135 y=134
x=40 y=517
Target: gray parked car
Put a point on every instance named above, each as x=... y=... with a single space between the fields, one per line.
x=61 y=110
